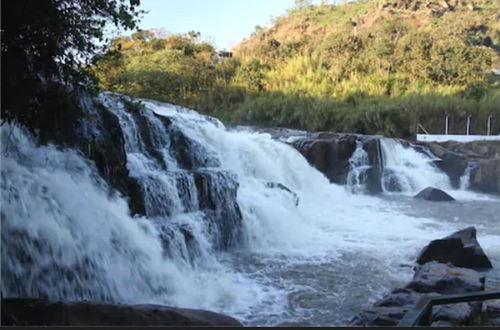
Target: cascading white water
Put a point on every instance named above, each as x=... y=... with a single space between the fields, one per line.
x=65 y=237
x=407 y=170
x=359 y=164
x=465 y=179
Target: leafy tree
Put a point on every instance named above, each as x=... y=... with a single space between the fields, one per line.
x=46 y=47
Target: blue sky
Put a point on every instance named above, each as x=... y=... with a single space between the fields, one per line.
x=224 y=22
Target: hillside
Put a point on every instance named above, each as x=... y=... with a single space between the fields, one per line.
x=373 y=67
x=476 y=21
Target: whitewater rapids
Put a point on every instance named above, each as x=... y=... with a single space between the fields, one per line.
x=315 y=262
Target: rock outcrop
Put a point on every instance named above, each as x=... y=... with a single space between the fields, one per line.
x=453 y=164
x=435 y=277
x=461 y=249
x=41 y=312
x=434 y=194
x=484 y=156
x=486 y=176
x=329 y=153
x=446 y=279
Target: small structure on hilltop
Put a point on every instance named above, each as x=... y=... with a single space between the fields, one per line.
x=225 y=54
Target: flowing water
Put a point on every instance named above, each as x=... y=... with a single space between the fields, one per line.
x=235 y=222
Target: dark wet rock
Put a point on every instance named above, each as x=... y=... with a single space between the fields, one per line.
x=493 y=308
x=474 y=149
x=445 y=279
x=391 y=181
x=434 y=194
x=436 y=278
x=374 y=173
x=329 y=153
x=100 y=138
x=374 y=179
x=455 y=156
x=399 y=297
x=217 y=198
x=461 y=249
x=380 y=316
x=40 y=312
x=136 y=201
x=456 y=314
x=147 y=134
x=277 y=185
x=450 y=162
x=441 y=324
x=485 y=176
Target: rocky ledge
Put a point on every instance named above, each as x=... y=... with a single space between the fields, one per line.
x=41 y=312
x=482 y=156
x=331 y=153
x=447 y=266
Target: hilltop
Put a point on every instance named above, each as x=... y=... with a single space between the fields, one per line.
x=373 y=67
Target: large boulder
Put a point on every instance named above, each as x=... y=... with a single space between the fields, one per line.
x=445 y=279
x=461 y=249
x=434 y=194
x=40 y=312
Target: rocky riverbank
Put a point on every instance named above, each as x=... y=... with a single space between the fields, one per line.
x=41 y=312
x=452 y=265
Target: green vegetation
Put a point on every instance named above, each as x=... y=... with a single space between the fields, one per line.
x=374 y=67
x=46 y=50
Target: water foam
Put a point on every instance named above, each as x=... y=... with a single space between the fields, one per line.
x=82 y=243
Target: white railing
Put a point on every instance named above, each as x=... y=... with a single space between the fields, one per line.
x=456 y=137
x=467 y=137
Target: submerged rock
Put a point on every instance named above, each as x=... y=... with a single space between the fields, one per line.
x=461 y=249
x=41 y=312
x=278 y=185
x=434 y=194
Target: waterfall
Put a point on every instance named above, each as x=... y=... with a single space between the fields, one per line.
x=359 y=164
x=407 y=170
x=222 y=210
x=65 y=237
x=465 y=179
